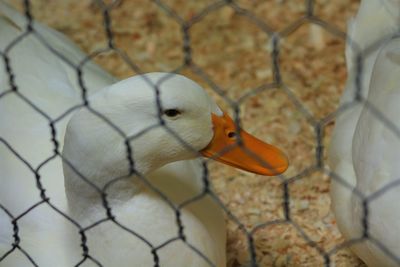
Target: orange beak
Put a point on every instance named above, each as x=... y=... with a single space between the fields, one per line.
x=253 y=155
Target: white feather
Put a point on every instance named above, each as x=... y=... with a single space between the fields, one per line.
x=363 y=151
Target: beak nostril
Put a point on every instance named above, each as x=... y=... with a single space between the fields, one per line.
x=246 y=159
x=231 y=134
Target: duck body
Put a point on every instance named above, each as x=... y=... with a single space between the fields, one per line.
x=51 y=85
x=24 y=128
x=364 y=150
x=381 y=170
x=153 y=219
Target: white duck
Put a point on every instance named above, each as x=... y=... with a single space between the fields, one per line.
x=98 y=152
x=364 y=152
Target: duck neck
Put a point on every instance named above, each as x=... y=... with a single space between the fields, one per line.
x=93 y=180
x=85 y=199
x=96 y=166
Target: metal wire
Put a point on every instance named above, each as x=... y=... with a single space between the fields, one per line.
x=278 y=83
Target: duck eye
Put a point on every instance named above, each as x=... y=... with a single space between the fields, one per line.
x=172 y=112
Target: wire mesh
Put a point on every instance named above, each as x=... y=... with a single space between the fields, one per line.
x=317 y=123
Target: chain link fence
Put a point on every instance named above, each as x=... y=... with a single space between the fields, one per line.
x=255 y=249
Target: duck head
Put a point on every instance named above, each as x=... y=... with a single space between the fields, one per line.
x=187 y=124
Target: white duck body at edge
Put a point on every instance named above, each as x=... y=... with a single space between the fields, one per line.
x=50 y=84
x=363 y=151
x=98 y=152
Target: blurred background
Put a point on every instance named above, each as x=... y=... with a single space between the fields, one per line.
x=231 y=47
